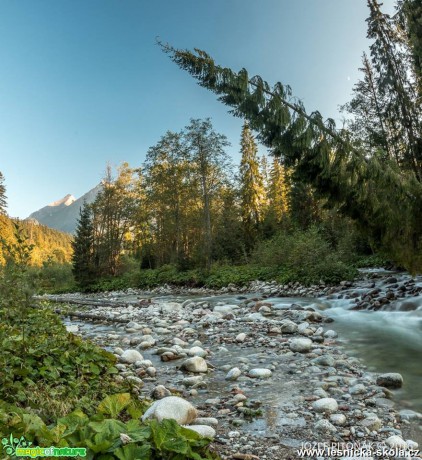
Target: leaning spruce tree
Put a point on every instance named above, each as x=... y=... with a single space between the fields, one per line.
x=83 y=248
x=384 y=196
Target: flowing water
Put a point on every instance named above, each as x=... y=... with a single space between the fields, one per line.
x=386 y=341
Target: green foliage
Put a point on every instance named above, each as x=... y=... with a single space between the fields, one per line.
x=53 y=277
x=48 y=244
x=304 y=256
x=375 y=260
x=334 y=162
x=252 y=191
x=114 y=431
x=56 y=371
x=224 y=275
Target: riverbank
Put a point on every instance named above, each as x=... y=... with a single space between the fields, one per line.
x=307 y=388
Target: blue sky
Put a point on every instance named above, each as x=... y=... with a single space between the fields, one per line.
x=83 y=82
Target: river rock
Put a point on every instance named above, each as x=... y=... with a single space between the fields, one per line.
x=324 y=426
x=240 y=337
x=131 y=356
x=412 y=444
x=136 y=380
x=301 y=345
x=330 y=334
x=133 y=325
x=288 y=326
x=224 y=309
x=195 y=364
x=118 y=351
x=160 y=392
x=338 y=419
x=73 y=328
x=151 y=371
x=327 y=405
x=171 y=407
x=390 y=380
x=396 y=442
x=210 y=421
x=233 y=374
x=197 y=351
x=180 y=342
x=325 y=360
x=260 y=373
x=143 y=364
x=205 y=431
x=357 y=389
x=408 y=414
x=170 y=307
x=192 y=381
x=373 y=423
x=147 y=342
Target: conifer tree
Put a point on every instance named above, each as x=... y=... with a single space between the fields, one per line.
x=411 y=23
x=83 y=248
x=332 y=161
x=3 y=203
x=279 y=190
x=397 y=104
x=252 y=191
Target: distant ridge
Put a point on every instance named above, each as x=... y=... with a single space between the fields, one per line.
x=63 y=214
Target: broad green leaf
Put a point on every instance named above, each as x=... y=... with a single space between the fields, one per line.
x=114 y=404
x=179 y=445
x=134 y=452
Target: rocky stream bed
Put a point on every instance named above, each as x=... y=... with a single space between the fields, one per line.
x=263 y=370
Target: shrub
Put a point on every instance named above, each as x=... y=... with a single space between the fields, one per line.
x=304 y=256
x=113 y=432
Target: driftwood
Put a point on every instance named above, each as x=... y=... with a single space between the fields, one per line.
x=94 y=317
x=97 y=303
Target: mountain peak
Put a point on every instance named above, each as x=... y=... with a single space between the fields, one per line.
x=66 y=201
x=63 y=214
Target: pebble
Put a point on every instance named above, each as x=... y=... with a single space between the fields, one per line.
x=327 y=405
x=195 y=364
x=260 y=373
x=233 y=374
x=301 y=345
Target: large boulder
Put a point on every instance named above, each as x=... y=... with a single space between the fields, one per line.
x=171 y=407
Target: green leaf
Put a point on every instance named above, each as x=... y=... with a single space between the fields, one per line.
x=179 y=445
x=134 y=452
x=114 y=404
x=94 y=368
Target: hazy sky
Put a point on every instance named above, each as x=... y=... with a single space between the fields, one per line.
x=83 y=83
